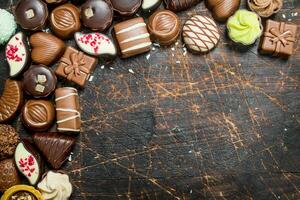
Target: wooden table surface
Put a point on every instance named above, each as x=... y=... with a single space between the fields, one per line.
x=225 y=125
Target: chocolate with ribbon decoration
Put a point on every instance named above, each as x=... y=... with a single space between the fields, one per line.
x=76 y=66
x=278 y=39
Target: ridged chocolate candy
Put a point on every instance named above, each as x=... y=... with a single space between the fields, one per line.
x=222 y=9
x=55 y=147
x=180 y=5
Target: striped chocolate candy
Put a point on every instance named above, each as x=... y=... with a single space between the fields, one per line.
x=133 y=37
x=200 y=34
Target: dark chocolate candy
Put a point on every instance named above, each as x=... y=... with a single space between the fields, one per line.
x=150 y=5
x=65 y=20
x=17 y=54
x=180 y=5
x=55 y=1
x=11 y=100
x=31 y=14
x=8 y=174
x=126 y=7
x=28 y=162
x=96 y=14
x=55 y=147
x=51 y=46
x=39 y=81
x=279 y=38
x=9 y=140
x=38 y=115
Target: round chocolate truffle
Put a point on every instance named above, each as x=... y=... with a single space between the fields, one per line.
x=8 y=174
x=164 y=27
x=39 y=81
x=65 y=20
x=31 y=14
x=38 y=115
x=96 y=14
x=126 y=7
x=9 y=139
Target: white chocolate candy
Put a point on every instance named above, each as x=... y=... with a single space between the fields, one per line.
x=95 y=44
x=17 y=54
x=149 y=5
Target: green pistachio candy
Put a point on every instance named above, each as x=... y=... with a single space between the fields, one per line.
x=244 y=27
x=8 y=26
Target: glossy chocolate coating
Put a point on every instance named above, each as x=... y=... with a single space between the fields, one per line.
x=96 y=14
x=222 y=9
x=126 y=7
x=38 y=115
x=31 y=14
x=38 y=88
x=65 y=20
x=55 y=1
x=180 y=5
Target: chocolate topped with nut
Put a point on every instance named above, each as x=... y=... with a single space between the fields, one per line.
x=22 y=195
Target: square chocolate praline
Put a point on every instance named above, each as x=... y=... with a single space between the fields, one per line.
x=279 y=39
x=73 y=59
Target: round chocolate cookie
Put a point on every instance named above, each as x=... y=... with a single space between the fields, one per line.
x=96 y=14
x=38 y=115
x=9 y=139
x=126 y=7
x=200 y=34
x=39 y=81
x=31 y=14
x=8 y=174
x=164 y=27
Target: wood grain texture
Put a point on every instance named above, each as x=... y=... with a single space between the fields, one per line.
x=220 y=126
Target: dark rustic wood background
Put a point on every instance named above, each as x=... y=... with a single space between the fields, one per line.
x=225 y=125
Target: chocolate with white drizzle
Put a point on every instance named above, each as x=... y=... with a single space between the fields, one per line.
x=67 y=110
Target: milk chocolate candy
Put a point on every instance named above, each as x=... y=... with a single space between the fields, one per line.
x=265 y=8
x=222 y=9
x=17 y=54
x=200 y=34
x=67 y=110
x=150 y=5
x=31 y=14
x=8 y=174
x=126 y=7
x=46 y=48
x=180 y=5
x=11 y=100
x=96 y=14
x=38 y=115
x=9 y=139
x=96 y=44
x=133 y=37
x=65 y=20
x=55 y=147
x=164 y=27
x=28 y=162
x=39 y=81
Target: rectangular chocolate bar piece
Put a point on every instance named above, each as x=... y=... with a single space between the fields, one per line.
x=133 y=37
x=278 y=39
x=67 y=110
x=76 y=66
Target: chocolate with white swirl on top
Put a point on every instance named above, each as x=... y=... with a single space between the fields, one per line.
x=67 y=110
x=200 y=34
x=180 y=5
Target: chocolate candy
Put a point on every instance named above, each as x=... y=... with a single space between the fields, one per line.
x=149 y=5
x=65 y=20
x=96 y=14
x=164 y=27
x=265 y=8
x=67 y=110
x=8 y=174
x=51 y=46
x=11 y=100
x=126 y=7
x=38 y=115
x=96 y=44
x=39 y=81
x=278 y=39
x=17 y=54
x=180 y=5
x=222 y=9
x=76 y=66
x=9 y=139
x=22 y=192
x=55 y=1
x=55 y=147
x=133 y=37
x=31 y=14
x=28 y=162
x=200 y=34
